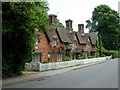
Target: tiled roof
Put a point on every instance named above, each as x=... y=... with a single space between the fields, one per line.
x=63 y=34
x=93 y=37
x=81 y=38
x=50 y=33
x=71 y=35
x=67 y=36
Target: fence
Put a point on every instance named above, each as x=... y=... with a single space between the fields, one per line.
x=56 y=65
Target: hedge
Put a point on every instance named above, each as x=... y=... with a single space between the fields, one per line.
x=67 y=58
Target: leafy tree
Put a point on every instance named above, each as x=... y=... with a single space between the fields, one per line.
x=59 y=24
x=19 y=21
x=91 y=25
x=99 y=45
x=106 y=21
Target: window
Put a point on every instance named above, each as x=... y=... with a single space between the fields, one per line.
x=75 y=42
x=59 y=56
x=54 y=43
x=37 y=41
x=37 y=37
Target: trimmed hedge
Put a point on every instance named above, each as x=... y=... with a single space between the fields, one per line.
x=91 y=56
x=114 y=53
x=82 y=57
x=67 y=58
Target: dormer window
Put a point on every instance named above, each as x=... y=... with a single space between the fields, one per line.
x=54 y=43
x=55 y=40
x=75 y=42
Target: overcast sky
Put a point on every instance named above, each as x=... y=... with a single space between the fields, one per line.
x=77 y=10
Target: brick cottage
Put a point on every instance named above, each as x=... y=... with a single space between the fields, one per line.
x=56 y=43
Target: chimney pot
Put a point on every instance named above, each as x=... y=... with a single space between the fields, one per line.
x=81 y=28
x=69 y=24
x=52 y=19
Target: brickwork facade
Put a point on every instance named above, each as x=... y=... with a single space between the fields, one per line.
x=52 y=45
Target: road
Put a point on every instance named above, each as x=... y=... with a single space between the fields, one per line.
x=104 y=75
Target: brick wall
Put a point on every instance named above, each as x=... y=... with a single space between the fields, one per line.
x=56 y=49
x=85 y=48
x=42 y=47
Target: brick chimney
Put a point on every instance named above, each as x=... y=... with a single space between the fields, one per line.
x=81 y=28
x=53 y=19
x=69 y=24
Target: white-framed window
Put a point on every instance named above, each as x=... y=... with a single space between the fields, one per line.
x=54 y=43
x=75 y=42
x=37 y=40
x=59 y=56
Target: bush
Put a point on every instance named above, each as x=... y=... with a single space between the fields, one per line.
x=91 y=57
x=67 y=58
x=97 y=54
x=114 y=53
x=82 y=57
x=102 y=55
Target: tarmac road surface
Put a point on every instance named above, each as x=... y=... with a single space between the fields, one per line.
x=104 y=75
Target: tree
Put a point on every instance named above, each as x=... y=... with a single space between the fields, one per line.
x=91 y=25
x=19 y=21
x=59 y=24
x=106 y=21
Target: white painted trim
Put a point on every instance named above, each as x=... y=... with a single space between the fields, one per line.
x=55 y=65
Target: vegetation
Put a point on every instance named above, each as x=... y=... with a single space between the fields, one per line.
x=68 y=50
x=19 y=21
x=106 y=21
x=67 y=58
x=59 y=24
x=114 y=53
x=86 y=57
x=82 y=57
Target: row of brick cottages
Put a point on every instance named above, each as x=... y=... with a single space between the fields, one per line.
x=54 y=44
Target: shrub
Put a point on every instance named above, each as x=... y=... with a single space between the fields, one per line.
x=103 y=55
x=115 y=54
x=82 y=57
x=67 y=58
x=97 y=54
x=91 y=57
